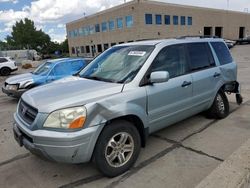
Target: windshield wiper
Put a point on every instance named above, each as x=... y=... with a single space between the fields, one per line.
x=99 y=79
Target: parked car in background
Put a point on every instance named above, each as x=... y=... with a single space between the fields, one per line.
x=230 y=43
x=245 y=40
x=126 y=93
x=7 y=65
x=47 y=72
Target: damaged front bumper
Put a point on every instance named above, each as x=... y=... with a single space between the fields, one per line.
x=66 y=147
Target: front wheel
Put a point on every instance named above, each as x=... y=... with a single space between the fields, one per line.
x=220 y=106
x=117 y=148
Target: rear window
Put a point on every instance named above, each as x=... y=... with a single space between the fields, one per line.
x=200 y=56
x=3 y=60
x=222 y=52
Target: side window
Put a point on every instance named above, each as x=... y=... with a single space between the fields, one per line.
x=60 y=69
x=171 y=59
x=76 y=65
x=200 y=56
x=222 y=52
x=2 y=60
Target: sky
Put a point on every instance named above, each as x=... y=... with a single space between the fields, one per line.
x=52 y=15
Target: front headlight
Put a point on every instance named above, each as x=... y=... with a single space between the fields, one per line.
x=12 y=87
x=70 y=118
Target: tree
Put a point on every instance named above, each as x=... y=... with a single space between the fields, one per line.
x=64 y=46
x=24 y=35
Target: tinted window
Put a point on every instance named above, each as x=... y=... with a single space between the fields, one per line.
x=175 y=20
x=167 y=19
x=183 y=20
x=171 y=59
x=222 y=52
x=97 y=28
x=2 y=60
x=148 y=19
x=158 y=19
x=190 y=21
x=200 y=56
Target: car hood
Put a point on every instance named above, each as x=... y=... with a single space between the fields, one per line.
x=20 y=78
x=26 y=79
x=68 y=92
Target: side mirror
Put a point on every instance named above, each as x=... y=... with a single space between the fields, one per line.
x=159 y=76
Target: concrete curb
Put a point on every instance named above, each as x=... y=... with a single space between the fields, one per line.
x=234 y=172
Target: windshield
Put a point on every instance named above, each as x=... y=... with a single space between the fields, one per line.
x=119 y=64
x=43 y=69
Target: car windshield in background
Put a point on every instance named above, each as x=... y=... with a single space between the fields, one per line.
x=43 y=69
x=119 y=64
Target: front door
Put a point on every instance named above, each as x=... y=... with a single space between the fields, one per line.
x=168 y=102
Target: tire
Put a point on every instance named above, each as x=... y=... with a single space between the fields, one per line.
x=109 y=155
x=220 y=107
x=5 y=71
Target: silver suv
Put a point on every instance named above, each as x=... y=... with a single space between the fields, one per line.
x=106 y=113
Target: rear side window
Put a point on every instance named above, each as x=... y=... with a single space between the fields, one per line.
x=2 y=60
x=200 y=56
x=222 y=52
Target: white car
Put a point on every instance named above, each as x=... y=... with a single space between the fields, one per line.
x=7 y=65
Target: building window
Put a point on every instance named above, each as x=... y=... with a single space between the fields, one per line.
x=183 y=20
x=105 y=46
x=87 y=49
x=111 y=25
x=91 y=29
x=119 y=23
x=175 y=20
x=99 y=48
x=129 y=21
x=73 y=50
x=190 y=20
x=148 y=19
x=75 y=32
x=158 y=19
x=112 y=44
x=167 y=19
x=97 y=28
x=104 y=26
x=82 y=49
x=86 y=31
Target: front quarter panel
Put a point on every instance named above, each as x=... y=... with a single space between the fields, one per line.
x=131 y=102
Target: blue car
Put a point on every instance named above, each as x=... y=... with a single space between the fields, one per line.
x=47 y=72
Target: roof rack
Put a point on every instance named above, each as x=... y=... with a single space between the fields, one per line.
x=197 y=36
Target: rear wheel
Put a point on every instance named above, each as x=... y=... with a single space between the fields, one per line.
x=220 y=107
x=117 y=148
x=5 y=71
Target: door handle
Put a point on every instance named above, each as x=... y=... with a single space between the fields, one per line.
x=216 y=74
x=185 y=84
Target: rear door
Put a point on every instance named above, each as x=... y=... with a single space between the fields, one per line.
x=206 y=75
x=168 y=102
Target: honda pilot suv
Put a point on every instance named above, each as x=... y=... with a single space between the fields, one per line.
x=106 y=113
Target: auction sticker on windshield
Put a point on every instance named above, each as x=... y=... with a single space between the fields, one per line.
x=137 y=53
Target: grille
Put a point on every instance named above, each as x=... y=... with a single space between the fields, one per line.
x=27 y=112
